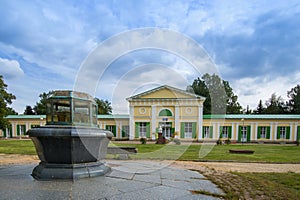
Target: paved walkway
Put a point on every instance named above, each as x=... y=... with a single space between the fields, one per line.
x=128 y=180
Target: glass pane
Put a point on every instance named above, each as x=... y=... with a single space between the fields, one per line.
x=94 y=114
x=81 y=111
x=61 y=111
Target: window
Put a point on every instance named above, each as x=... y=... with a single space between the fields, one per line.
x=206 y=131
x=111 y=128
x=125 y=131
x=263 y=132
x=165 y=112
x=282 y=132
x=188 y=129
x=143 y=129
x=225 y=132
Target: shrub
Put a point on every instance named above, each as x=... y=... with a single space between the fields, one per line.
x=219 y=142
x=143 y=140
x=227 y=141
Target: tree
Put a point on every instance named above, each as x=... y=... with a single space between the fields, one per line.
x=219 y=95
x=104 y=107
x=294 y=101
x=260 y=108
x=199 y=87
x=275 y=105
x=29 y=110
x=5 y=100
x=40 y=107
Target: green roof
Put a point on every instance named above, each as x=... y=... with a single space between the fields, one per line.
x=25 y=117
x=114 y=116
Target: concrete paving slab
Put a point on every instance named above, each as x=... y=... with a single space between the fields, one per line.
x=128 y=180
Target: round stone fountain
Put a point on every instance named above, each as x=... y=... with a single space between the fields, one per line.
x=71 y=145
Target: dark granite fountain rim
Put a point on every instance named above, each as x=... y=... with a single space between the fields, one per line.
x=61 y=131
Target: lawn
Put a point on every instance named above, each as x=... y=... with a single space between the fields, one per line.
x=17 y=147
x=271 y=185
x=263 y=153
x=255 y=185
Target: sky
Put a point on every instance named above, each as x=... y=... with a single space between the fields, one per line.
x=121 y=48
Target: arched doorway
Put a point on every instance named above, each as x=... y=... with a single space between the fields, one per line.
x=165 y=124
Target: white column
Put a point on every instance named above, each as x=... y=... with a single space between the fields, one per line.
x=7 y=133
x=27 y=126
x=255 y=132
x=295 y=131
x=217 y=130
x=291 y=131
x=177 y=119
x=275 y=132
x=236 y=131
x=251 y=131
x=200 y=121
x=14 y=127
x=131 y=123
x=271 y=131
x=153 y=119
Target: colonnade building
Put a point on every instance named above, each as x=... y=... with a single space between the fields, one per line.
x=179 y=114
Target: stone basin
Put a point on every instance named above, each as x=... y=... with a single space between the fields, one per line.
x=71 y=145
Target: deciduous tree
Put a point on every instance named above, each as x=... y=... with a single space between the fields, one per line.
x=294 y=100
x=40 y=107
x=275 y=105
x=29 y=110
x=220 y=97
x=5 y=100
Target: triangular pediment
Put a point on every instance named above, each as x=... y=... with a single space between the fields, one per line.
x=166 y=92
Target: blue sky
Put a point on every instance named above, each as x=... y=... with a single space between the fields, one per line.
x=255 y=45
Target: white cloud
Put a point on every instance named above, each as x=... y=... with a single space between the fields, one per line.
x=251 y=90
x=143 y=78
x=10 y=69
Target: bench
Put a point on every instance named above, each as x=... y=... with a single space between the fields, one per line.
x=123 y=152
x=238 y=151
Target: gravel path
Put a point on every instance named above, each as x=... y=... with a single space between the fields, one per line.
x=7 y=159
x=240 y=167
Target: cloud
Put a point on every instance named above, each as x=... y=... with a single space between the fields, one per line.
x=252 y=89
x=271 y=47
x=246 y=39
x=10 y=69
x=140 y=79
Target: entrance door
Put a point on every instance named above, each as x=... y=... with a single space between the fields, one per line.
x=166 y=129
x=244 y=134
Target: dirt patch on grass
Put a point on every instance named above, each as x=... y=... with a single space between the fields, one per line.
x=9 y=159
x=240 y=167
x=234 y=179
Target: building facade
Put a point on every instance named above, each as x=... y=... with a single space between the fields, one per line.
x=179 y=114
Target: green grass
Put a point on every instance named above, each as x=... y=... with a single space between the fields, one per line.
x=263 y=153
x=17 y=147
x=273 y=185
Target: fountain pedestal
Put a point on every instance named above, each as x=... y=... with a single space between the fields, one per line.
x=69 y=148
